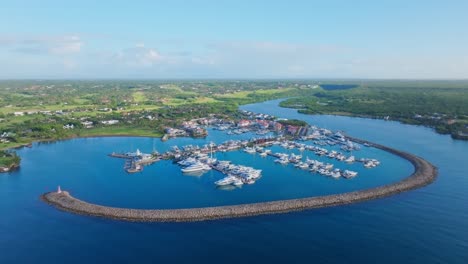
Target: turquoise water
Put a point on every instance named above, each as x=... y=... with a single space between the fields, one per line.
x=423 y=226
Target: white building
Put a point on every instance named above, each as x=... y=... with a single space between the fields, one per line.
x=110 y=122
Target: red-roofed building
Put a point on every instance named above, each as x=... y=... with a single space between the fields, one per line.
x=278 y=126
x=263 y=124
x=244 y=123
x=292 y=130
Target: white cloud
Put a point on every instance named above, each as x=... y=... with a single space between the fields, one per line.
x=262 y=59
x=138 y=56
x=65 y=45
x=40 y=45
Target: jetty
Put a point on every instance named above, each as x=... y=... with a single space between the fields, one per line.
x=424 y=174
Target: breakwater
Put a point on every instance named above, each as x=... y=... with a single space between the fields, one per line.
x=424 y=173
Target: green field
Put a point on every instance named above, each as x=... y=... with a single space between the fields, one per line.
x=145 y=108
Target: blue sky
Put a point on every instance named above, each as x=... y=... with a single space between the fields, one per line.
x=234 y=39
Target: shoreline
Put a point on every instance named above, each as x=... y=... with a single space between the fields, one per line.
x=424 y=174
x=454 y=136
x=29 y=145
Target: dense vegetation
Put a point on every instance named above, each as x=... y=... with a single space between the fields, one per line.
x=292 y=122
x=8 y=159
x=49 y=110
x=443 y=106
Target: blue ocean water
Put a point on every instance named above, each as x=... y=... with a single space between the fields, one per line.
x=427 y=225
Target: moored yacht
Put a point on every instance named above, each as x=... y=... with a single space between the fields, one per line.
x=238 y=182
x=226 y=180
x=249 y=150
x=196 y=167
x=350 y=159
x=349 y=174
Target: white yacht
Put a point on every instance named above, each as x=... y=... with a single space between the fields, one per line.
x=282 y=160
x=196 y=167
x=350 y=159
x=187 y=161
x=226 y=180
x=335 y=173
x=249 y=150
x=349 y=174
x=238 y=182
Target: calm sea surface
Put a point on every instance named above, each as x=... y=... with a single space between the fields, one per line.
x=427 y=225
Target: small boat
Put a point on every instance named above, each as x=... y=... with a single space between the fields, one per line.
x=335 y=173
x=350 y=159
x=187 y=162
x=282 y=161
x=349 y=174
x=238 y=182
x=226 y=180
x=263 y=154
x=250 y=181
x=196 y=167
x=250 y=150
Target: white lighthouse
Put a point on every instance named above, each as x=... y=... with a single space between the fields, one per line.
x=59 y=190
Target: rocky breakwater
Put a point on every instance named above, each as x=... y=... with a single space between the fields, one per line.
x=424 y=174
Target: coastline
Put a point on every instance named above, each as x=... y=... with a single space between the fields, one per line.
x=455 y=136
x=424 y=174
x=5 y=169
x=29 y=145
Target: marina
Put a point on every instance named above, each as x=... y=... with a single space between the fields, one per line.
x=286 y=145
x=200 y=159
x=162 y=185
x=424 y=174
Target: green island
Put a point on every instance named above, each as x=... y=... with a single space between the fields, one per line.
x=48 y=110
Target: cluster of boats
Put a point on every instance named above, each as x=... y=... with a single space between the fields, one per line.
x=263 y=152
x=201 y=163
x=223 y=127
x=370 y=163
x=237 y=175
x=314 y=166
x=136 y=160
x=284 y=158
x=238 y=131
x=333 y=154
x=326 y=169
x=324 y=137
x=195 y=159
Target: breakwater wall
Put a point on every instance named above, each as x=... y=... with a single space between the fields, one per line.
x=424 y=174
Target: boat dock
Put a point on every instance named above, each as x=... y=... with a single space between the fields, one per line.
x=256 y=145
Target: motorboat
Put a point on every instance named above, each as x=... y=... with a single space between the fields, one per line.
x=226 y=180
x=196 y=167
x=349 y=174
